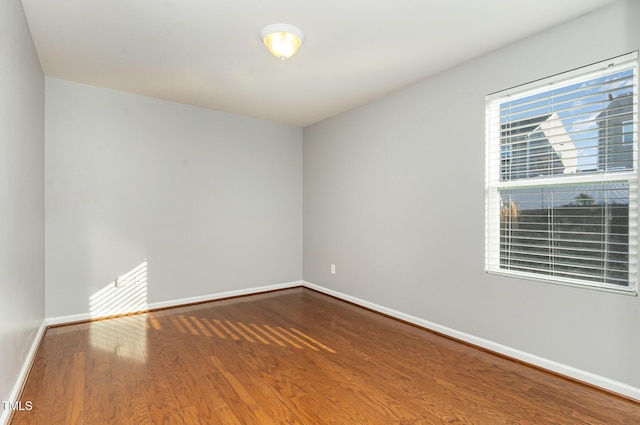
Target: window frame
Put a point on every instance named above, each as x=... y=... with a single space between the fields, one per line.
x=493 y=183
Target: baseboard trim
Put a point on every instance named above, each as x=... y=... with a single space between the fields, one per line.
x=5 y=414
x=223 y=295
x=570 y=372
x=159 y=305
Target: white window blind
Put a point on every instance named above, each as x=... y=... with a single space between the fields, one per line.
x=561 y=177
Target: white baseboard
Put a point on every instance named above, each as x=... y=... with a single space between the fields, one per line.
x=562 y=369
x=24 y=371
x=61 y=320
x=220 y=295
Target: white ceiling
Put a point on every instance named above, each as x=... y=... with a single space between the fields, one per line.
x=208 y=52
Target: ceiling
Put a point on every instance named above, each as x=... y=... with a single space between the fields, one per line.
x=208 y=52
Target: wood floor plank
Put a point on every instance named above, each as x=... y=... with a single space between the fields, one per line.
x=238 y=389
x=226 y=416
x=189 y=382
x=291 y=357
x=69 y=389
x=39 y=387
x=98 y=387
x=140 y=415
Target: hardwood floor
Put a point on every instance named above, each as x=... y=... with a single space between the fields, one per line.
x=290 y=357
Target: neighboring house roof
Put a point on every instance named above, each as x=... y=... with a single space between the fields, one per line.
x=561 y=142
x=620 y=105
x=555 y=134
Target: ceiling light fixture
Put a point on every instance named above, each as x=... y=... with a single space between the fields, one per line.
x=282 y=40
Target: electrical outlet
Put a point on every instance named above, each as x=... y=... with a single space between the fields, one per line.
x=120 y=281
x=333 y=269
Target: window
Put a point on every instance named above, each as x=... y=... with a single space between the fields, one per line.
x=561 y=185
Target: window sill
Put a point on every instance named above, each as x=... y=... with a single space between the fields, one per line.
x=629 y=291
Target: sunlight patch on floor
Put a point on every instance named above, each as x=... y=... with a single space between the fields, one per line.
x=251 y=332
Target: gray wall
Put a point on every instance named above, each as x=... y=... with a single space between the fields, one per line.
x=210 y=201
x=21 y=192
x=394 y=196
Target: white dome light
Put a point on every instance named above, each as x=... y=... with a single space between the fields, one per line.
x=282 y=40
